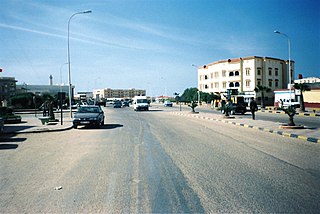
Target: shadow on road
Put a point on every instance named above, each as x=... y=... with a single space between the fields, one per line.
x=8 y=146
x=111 y=126
x=18 y=139
x=105 y=126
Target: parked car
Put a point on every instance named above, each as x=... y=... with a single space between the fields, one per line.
x=167 y=103
x=125 y=104
x=117 y=104
x=89 y=115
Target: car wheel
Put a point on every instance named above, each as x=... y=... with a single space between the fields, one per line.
x=75 y=126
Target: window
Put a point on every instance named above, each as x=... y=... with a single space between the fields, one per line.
x=258 y=71
x=205 y=77
x=206 y=86
x=216 y=74
x=223 y=73
x=270 y=82
x=231 y=73
x=237 y=84
x=270 y=71
x=258 y=81
x=224 y=85
x=236 y=73
x=247 y=71
x=211 y=85
x=276 y=83
x=211 y=75
x=231 y=84
x=216 y=85
x=276 y=71
x=247 y=83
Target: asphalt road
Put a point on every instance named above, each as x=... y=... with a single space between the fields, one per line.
x=156 y=162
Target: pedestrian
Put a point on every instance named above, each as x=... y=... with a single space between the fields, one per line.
x=253 y=108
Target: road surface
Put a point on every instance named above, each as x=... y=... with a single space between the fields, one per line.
x=157 y=162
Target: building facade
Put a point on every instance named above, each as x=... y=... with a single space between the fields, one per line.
x=244 y=74
x=109 y=93
x=7 y=88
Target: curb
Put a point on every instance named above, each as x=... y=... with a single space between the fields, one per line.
x=38 y=131
x=285 y=134
x=298 y=114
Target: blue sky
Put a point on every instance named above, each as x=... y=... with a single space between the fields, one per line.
x=150 y=44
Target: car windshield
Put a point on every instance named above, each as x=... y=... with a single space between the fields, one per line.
x=88 y=110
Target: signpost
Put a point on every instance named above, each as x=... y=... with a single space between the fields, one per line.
x=61 y=97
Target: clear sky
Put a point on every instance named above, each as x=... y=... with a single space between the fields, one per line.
x=150 y=44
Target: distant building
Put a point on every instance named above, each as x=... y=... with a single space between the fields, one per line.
x=244 y=74
x=7 y=88
x=308 y=80
x=109 y=93
x=44 y=89
x=312 y=97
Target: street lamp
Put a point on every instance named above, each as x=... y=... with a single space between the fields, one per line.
x=61 y=75
x=193 y=65
x=290 y=75
x=69 y=63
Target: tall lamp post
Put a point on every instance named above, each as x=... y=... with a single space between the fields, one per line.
x=69 y=63
x=290 y=75
x=193 y=65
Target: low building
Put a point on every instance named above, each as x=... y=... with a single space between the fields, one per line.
x=311 y=98
x=44 y=89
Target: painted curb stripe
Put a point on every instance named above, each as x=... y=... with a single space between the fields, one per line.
x=285 y=134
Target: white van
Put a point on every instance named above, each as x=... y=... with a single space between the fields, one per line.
x=140 y=103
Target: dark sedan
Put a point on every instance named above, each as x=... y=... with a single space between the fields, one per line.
x=89 y=115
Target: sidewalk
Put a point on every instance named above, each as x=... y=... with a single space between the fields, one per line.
x=32 y=124
x=310 y=134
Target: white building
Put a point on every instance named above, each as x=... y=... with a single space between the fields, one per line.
x=244 y=74
x=308 y=80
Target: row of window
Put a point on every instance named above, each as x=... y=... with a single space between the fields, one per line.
x=271 y=83
x=270 y=73
x=237 y=73
x=224 y=85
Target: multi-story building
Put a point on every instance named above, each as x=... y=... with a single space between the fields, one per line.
x=7 y=88
x=109 y=93
x=244 y=74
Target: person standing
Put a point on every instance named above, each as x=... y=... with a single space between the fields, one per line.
x=253 y=108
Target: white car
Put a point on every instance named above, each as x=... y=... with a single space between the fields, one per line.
x=286 y=103
x=167 y=103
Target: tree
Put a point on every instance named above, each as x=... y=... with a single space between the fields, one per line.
x=208 y=97
x=22 y=100
x=193 y=105
x=302 y=87
x=290 y=111
x=262 y=90
x=190 y=94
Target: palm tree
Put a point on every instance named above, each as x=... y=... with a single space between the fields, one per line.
x=262 y=89
x=302 y=87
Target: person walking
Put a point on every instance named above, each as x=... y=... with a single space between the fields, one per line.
x=253 y=108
